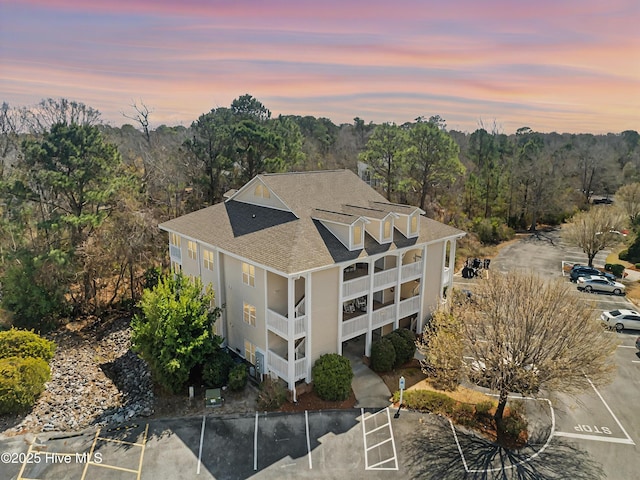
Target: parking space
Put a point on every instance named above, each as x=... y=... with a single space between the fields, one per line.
x=379 y=443
x=106 y=454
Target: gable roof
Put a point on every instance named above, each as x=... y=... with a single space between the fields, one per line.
x=295 y=241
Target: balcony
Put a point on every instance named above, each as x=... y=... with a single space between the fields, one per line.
x=277 y=364
x=301 y=369
x=355 y=287
x=280 y=324
x=354 y=327
x=409 y=306
x=385 y=278
x=175 y=253
x=383 y=315
x=280 y=366
x=411 y=270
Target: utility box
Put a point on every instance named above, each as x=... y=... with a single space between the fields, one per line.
x=213 y=397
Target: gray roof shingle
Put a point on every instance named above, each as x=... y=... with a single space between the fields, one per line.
x=295 y=242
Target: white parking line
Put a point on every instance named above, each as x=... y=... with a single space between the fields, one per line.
x=204 y=421
x=306 y=419
x=255 y=445
x=609 y=409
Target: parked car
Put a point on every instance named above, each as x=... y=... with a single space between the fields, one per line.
x=621 y=319
x=596 y=283
x=584 y=270
x=638 y=343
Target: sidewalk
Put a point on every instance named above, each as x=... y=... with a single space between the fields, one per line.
x=368 y=387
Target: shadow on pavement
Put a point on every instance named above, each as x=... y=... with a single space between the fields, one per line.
x=431 y=454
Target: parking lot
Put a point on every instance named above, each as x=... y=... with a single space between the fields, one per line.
x=601 y=421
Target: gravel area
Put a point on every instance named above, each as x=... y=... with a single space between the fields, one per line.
x=95 y=380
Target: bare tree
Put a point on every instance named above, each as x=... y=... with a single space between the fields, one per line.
x=48 y=112
x=628 y=199
x=141 y=116
x=525 y=333
x=593 y=230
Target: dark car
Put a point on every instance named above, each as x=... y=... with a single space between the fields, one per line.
x=638 y=343
x=585 y=271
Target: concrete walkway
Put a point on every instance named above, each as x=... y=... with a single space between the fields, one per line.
x=368 y=387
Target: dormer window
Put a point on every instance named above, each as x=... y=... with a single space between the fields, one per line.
x=414 y=225
x=261 y=191
x=357 y=236
x=387 y=229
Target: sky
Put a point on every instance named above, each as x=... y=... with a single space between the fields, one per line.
x=551 y=65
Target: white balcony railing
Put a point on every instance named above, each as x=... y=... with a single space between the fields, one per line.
x=411 y=270
x=385 y=278
x=354 y=327
x=446 y=276
x=301 y=368
x=356 y=286
x=409 y=306
x=175 y=253
x=278 y=365
x=383 y=315
x=280 y=324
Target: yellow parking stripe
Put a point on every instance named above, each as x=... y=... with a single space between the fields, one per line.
x=113 y=467
x=93 y=446
x=144 y=443
x=121 y=441
x=24 y=464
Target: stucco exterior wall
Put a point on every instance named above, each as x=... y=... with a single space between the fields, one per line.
x=324 y=314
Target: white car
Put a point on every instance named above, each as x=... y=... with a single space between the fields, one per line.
x=621 y=319
x=596 y=283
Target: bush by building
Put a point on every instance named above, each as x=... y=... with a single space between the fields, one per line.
x=238 y=377
x=383 y=355
x=216 y=369
x=332 y=375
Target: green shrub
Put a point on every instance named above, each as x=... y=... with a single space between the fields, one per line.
x=332 y=375
x=21 y=381
x=272 y=395
x=492 y=230
x=238 y=377
x=404 y=343
x=383 y=355
x=23 y=343
x=514 y=424
x=216 y=369
x=637 y=266
x=427 y=401
x=624 y=255
x=617 y=270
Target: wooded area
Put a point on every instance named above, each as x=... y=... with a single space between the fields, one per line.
x=80 y=200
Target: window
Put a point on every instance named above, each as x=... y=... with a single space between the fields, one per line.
x=387 y=229
x=261 y=191
x=357 y=235
x=249 y=314
x=192 y=248
x=176 y=268
x=174 y=239
x=249 y=352
x=207 y=259
x=248 y=274
x=414 y=224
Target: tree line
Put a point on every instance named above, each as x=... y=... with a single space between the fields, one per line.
x=80 y=200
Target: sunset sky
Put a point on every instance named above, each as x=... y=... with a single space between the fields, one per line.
x=552 y=65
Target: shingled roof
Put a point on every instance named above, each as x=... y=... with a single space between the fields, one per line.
x=292 y=242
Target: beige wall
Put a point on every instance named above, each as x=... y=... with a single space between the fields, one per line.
x=249 y=196
x=277 y=293
x=238 y=293
x=324 y=316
